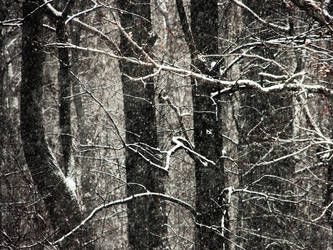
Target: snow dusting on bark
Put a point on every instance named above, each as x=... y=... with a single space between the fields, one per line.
x=70 y=183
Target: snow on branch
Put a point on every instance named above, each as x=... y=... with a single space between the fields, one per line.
x=181 y=142
x=323 y=213
x=316 y=10
x=263 y=21
x=137 y=148
x=290 y=85
x=84 y=12
x=53 y=10
x=146 y=195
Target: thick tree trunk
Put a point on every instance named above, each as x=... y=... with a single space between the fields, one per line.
x=231 y=30
x=59 y=198
x=210 y=180
x=64 y=81
x=146 y=218
x=85 y=162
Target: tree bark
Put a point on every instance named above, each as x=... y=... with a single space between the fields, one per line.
x=64 y=81
x=231 y=30
x=84 y=163
x=146 y=219
x=3 y=116
x=60 y=200
x=210 y=180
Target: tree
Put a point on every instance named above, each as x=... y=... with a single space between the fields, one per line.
x=59 y=198
x=210 y=179
x=260 y=79
x=64 y=79
x=268 y=135
x=146 y=219
x=82 y=164
x=212 y=221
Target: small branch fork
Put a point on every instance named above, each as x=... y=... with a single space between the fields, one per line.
x=255 y=15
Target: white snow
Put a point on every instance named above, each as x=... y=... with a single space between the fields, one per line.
x=70 y=184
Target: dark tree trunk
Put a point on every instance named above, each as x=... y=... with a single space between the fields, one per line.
x=3 y=116
x=146 y=218
x=210 y=180
x=59 y=199
x=328 y=193
x=328 y=196
x=64 y=81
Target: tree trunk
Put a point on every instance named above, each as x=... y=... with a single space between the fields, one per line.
x=210 y=180
x=59 y=198
x=231 y=30
x=146 y=218
x=85 y=162
x=3 y=116
x=64 y=81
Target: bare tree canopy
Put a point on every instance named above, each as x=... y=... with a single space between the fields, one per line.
x=160 y=124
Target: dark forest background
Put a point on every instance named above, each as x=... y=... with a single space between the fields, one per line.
x=166 y=124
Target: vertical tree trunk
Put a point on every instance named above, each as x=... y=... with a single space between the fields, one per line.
x=328 y=193
x=210 y=180
x=328 y=196
x=84 y=163
x=3 y=117
x=64 y=81
x=146 y=218
x=231 y=30
x=59 y=198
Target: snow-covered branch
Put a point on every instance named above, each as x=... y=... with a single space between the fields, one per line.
x=181 y=142
x=146 y=195
x=263 y=21
x=316 y=10
x=225 y=84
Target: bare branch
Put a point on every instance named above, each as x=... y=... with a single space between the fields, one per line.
x=317 y=11
x=97 y=32
x=54 y=12
x=84 y=12
x=323 y=213
x=185 y=26
x=226 y=85
x=263 y=21
x=146 y=195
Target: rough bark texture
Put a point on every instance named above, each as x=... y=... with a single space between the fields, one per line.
x=59 y=199
x=64 y=81
x=3 y=116
x=328 y=196
x=84 y=163
x=328 y=193
x=231 y=30
x=210 y=233
x=146 y=218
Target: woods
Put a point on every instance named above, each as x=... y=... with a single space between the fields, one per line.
x=186 y=124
